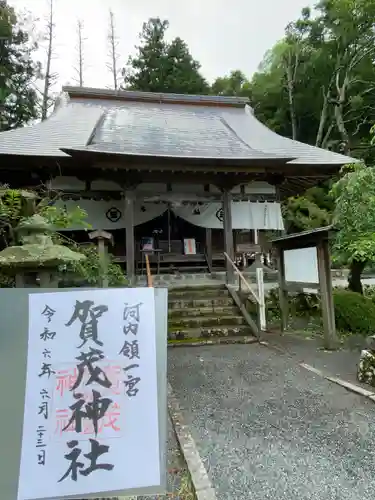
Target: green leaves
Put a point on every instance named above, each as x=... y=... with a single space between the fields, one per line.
x=318 y=82
x=18 y=98
x=236 y=84
x=354 y=214
x=312 y=210
x=160 y=66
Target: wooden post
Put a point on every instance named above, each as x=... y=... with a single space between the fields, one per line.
x=283 y=292
x=228 y=234
x=129 y=229
x=209 y=241
x=102 y=237
x=326 y=296
x=262 y=301
x=209 y=249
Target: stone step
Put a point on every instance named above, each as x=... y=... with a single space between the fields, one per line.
x=210 y=332
x=203 y=311
x=197 y=303
x=204 y=321
x=197 y=292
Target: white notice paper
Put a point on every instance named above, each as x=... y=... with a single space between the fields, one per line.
x=91 y=409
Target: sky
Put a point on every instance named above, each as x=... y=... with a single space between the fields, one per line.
x=222 y=35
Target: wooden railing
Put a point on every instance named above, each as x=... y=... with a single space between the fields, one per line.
x=259 y=297
x=148 y=271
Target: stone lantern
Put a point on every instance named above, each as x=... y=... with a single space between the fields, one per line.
x=37 y=258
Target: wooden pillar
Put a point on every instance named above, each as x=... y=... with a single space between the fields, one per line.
x=209 y=249
x=129 y=232
x=102 y=238
x=325 y=284
x=228 y=234
x=283 y=292
x=208 y=240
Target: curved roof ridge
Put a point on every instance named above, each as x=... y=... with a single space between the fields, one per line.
x=160 y=97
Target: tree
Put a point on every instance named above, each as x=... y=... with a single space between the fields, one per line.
x=354 y=221
x=343 y=33
x=49 y=76
x=79 y=69
x=182 y=71
x=113 y=64
x=160 y=66
x=18 y=71
x=317 y=83
x=236 y=84
x=311 y=210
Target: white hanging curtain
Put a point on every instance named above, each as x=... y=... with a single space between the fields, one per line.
x=109 y=215
x=245 y=215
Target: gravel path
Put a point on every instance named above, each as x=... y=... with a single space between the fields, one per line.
x=268 y=429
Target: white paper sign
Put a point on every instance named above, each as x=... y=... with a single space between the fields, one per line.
x=91 y=409
x=301 y=265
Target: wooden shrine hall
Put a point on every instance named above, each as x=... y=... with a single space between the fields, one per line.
x=182 y=177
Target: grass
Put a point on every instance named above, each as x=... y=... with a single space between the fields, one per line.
x=186 y=341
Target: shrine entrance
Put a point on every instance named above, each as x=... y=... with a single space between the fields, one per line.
x=177 y=245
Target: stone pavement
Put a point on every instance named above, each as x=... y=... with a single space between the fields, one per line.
x=340 y=363
x=266 y=428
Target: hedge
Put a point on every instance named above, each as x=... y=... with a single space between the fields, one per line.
x=354 y=313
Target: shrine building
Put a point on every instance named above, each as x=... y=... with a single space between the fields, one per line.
x=182 y=177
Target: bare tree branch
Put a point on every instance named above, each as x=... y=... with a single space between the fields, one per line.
x=113 y=54
x=79 y=69
x=49 y=77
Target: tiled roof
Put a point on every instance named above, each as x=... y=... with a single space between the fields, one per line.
x=137 y=123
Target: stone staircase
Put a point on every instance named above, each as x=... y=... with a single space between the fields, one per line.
x=204 y=312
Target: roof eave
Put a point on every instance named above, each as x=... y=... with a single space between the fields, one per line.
x=168 y=159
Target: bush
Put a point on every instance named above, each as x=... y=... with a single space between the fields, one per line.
x=369 y=292
x=354 y=313
x=300 y=304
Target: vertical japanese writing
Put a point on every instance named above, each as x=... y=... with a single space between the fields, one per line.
x=46 y=370
x=130 y=348
x=89 y=405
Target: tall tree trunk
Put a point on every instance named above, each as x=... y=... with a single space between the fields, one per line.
x=325 y=141
x=322 y=121
x=339 y=112
x=354 y=278
x=113 y=54
x=80 y=40
x=342 y=129
x=291 y=71
x=48 y=76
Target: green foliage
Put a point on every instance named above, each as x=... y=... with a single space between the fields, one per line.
x=17 y=204
x=322 y=72
x=354 y=313
x=300 y=304
x=90 y=272
x=354 y=214
x=18 y=71
x=236 y=84
x=160 y=66
x=301 y=213
x=369 y=292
